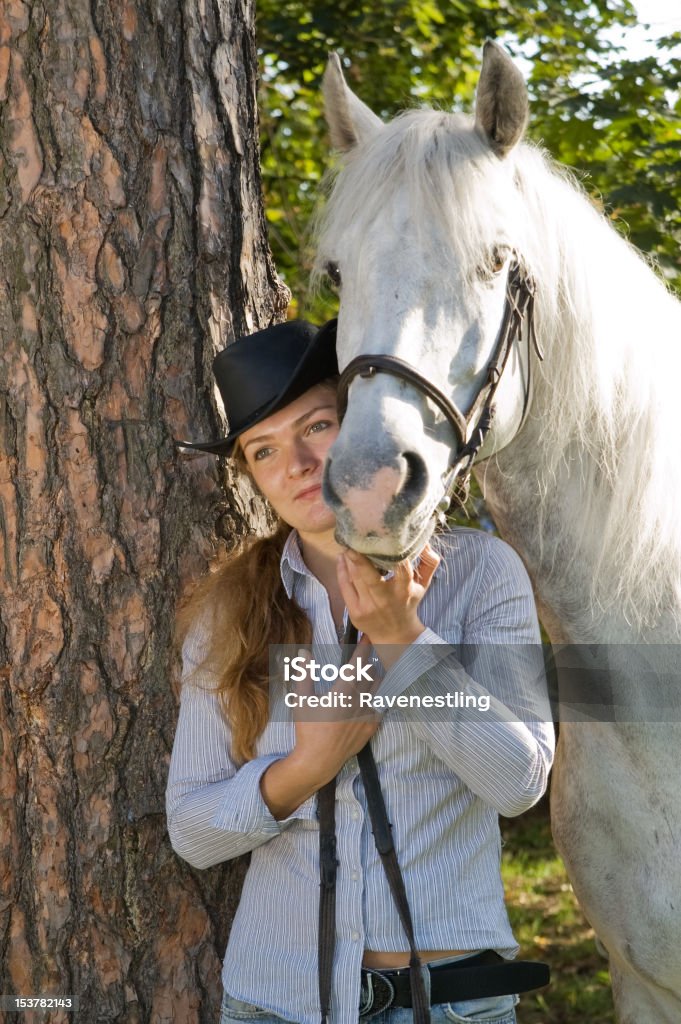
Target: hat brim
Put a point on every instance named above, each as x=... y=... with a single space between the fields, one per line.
x=317 y=363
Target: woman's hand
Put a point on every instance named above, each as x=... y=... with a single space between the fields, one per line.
x=325 y=739
x=386 y=610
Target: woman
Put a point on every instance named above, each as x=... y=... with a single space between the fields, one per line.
x=245 y=777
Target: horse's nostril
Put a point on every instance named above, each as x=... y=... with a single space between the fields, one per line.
x=416 y=482
x=330 y=496
x=365 y=490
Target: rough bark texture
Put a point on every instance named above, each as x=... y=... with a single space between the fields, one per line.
x=132 y=246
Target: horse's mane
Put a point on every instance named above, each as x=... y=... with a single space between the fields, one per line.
x=607 y=399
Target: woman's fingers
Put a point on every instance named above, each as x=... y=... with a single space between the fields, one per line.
x=360 y=569
x=331 y=732
x=360 y=676
x=363 y=576
x=360 y=585
x=346 y=583
x=385 y=607
x=428 y=563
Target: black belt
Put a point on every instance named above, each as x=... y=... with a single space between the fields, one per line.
x=486 y=974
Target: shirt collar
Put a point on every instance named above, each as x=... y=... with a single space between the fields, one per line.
x=292 y=563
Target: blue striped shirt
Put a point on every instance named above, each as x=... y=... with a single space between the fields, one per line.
x=445 y=779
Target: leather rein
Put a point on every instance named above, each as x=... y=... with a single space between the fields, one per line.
x=470 y=428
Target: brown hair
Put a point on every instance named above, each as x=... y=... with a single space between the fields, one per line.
x=245 y=608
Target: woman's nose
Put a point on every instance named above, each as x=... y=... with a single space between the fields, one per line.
x=302 y=459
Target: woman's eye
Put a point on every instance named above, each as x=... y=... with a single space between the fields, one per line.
x=320 y=425
x=334 y=274
x=261 y=453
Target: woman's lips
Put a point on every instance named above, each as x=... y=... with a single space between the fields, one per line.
x=309 y=492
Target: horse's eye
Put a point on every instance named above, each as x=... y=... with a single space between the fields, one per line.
x=497 y=260
x=493 y=264
x=333 y=271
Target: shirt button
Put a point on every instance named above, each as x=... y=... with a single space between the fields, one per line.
x=355 y=815
x=354 y=876
x=354 y=936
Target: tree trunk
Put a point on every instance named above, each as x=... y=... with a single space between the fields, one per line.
x=132 y=247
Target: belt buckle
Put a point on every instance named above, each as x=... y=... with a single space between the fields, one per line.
x=380 y=993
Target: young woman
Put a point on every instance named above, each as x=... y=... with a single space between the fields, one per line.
x=245 y=772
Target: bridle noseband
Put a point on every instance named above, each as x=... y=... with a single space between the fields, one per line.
x=471 y=428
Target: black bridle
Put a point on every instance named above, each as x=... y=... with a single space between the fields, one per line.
x=472 y=427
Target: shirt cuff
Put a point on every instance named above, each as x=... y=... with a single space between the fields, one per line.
x=246 y=810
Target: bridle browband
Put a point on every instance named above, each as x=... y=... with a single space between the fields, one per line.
x=471 y=428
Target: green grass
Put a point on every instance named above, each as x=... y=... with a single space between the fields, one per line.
x=550 y=926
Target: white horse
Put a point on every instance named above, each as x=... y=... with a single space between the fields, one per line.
x=581 y=468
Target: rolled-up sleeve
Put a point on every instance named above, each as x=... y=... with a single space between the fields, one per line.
x=215 y=810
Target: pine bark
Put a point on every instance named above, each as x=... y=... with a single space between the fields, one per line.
x=132 y=247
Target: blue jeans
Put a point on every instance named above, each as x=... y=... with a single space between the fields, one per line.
x=493 y=1010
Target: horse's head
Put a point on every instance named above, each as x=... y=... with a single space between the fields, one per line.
x=419 y=232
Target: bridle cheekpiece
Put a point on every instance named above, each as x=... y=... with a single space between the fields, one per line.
x=470 y=428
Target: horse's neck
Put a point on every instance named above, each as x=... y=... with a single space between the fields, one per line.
x=577 y=603
x=545 y=534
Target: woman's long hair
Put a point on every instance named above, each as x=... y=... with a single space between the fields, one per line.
x=243 y=608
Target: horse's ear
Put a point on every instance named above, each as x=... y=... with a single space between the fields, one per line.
x=350 y=121
x=501 y=106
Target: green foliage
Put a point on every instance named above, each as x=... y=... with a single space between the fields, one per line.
x=616 y=121
x=622 y=127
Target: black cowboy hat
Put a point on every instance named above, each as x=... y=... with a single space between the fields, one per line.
x=260 y=373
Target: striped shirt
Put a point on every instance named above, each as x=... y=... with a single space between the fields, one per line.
x=445 y=778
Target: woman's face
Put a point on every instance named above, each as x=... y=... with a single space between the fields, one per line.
x=285 y=454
